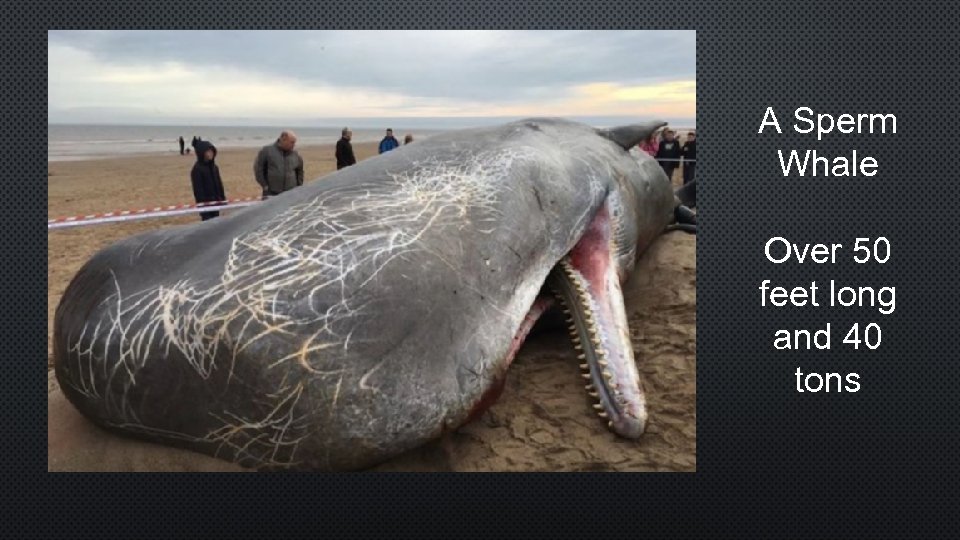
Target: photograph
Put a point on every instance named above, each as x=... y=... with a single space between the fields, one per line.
x=372 y=250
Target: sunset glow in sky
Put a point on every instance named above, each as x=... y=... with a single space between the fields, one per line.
x=269 y=76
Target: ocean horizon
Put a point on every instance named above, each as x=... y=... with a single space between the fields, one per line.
x=73 y=142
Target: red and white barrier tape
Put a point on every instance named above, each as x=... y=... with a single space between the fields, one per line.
x=162 y=211
x=143 y=213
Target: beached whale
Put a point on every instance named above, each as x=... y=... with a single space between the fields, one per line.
x=354 y=318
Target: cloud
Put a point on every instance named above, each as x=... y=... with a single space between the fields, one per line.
x=299 y=74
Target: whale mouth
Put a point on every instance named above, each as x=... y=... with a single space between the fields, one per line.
x=587 y=284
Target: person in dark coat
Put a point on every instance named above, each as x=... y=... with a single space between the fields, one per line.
x=181 y=145
x=205 y=177
x=194 y=143
x=345 y=150
x=689 y=152
x=669 y=154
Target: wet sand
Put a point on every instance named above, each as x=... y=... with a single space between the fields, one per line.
x=542 y=422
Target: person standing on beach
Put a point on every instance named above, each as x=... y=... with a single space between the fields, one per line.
x=205 y=177
x=181 y=145
x=668 y=154
x=650 y=144
x=278 y=167
x=194 y=143
x=344 y=152
x=689 y=152
x=389 y=142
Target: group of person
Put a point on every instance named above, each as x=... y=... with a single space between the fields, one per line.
x=670 y=152
x=193 y=144
x=277 y=167
x=344 y=151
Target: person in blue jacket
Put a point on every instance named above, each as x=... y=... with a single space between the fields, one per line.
x=389 y=142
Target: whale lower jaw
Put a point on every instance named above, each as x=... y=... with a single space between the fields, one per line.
x=587 y=285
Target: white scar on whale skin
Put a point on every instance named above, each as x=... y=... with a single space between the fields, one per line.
x=272 y=440
x=274 y=279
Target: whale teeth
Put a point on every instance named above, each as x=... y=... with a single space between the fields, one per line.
x=603 y=363
x=589 y=388
x=594 y=394
x=610 y=424
x=584 y=366
x=608 y=375
x=598 y=406
x=602 y=414
x=581 y=356
x=585 y=375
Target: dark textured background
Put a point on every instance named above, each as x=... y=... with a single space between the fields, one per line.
x=880 y=463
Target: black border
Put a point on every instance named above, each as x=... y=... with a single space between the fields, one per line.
x=772 y=463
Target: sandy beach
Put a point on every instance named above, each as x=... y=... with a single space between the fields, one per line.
x=543 y=420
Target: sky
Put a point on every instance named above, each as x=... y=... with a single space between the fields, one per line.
x=302 y=77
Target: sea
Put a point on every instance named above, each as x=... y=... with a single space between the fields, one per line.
x=73 y=142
